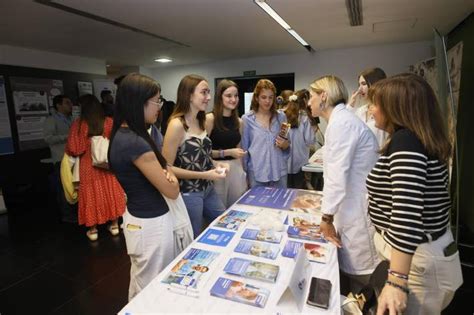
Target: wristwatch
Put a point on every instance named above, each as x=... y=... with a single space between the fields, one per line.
x=328 y=218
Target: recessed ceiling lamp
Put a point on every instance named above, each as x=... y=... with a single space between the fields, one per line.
x=163 y=60
x=268 y=9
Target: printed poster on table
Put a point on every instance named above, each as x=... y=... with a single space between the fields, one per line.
x=6 y=140
x=33 y=100
x=270 y=197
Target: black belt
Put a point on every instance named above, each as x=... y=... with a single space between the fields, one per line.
x=425 y=239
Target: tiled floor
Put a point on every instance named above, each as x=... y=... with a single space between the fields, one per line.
x=48 y=267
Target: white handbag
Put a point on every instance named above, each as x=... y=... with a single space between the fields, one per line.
x=99 y=148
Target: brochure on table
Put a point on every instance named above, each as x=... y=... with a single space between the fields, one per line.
x=298 y=200
x=224 y=272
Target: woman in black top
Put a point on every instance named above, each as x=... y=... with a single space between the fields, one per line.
x=143 y=173
x=225 y=129
x=409 y=203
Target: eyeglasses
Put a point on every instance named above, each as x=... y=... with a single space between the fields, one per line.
x=160 y=103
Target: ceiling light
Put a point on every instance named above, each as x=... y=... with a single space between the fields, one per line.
x=163 y=60
x=274 y=15
x=262 y=4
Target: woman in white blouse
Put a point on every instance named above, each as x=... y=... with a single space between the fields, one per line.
x=366 y=79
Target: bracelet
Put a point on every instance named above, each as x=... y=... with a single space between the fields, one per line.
x=398 y=274
x=400 y=287
x=221 y=154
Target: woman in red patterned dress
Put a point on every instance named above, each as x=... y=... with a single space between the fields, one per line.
x=101 y=198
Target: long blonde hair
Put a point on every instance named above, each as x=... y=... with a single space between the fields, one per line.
x=408 y=101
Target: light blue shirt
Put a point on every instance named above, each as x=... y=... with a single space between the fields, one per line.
x=301 y=139
x=264 y=158
x=55 y=132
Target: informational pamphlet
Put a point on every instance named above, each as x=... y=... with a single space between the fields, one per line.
x=232 y=219
x=262 y=235
x=252 y=269
x=216 y=237
x=240 y=292
x=192 y=270
x=314 y=252
x=270 y=197
x=258 y=249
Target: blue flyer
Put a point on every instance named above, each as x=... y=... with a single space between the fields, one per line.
x=240 y=292
x=258 y=249
x=270 y=197
x=216 y=237
x=269 y=236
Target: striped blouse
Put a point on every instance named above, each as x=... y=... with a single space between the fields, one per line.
x=408 y=193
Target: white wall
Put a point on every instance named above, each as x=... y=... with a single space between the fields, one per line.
x=344 y=63
x=25 y=57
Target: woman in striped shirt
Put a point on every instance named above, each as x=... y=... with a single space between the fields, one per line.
x=409 y=203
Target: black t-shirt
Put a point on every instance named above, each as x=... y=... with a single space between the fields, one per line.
x=143 y=199
x=225 y=139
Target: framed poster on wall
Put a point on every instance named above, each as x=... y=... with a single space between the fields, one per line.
x=6 y=140
x=33 y=101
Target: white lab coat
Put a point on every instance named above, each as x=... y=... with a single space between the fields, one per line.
x=350 y=152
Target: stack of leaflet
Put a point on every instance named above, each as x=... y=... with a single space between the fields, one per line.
x=190 y=274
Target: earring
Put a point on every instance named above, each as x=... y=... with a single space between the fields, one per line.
x=322 y=106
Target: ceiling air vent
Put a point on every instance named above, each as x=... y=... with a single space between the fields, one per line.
x=354 y=10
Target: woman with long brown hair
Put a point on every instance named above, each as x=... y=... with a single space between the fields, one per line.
x=101 y=198
x=409 y=202
x=266 y=161
x=366 y=79
x=188 y=148
x=225 y=130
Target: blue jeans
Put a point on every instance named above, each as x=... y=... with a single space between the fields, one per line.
x=202 y=204
x=281 y=183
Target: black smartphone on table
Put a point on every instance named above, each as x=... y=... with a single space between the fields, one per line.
x=319 y=292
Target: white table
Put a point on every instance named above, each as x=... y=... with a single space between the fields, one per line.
x=315 y=162
x=157 y=298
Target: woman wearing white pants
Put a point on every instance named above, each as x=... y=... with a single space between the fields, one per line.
x=409 y=202
x=143 y=173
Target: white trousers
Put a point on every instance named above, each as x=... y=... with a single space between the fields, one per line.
x=433 y=278
x=150 y=247
x=234 y=185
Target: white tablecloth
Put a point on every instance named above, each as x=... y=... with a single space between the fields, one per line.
x=157 y=298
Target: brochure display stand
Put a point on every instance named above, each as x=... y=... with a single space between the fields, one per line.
x=258 y=257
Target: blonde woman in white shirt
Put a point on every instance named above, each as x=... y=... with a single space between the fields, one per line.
x=366 y=79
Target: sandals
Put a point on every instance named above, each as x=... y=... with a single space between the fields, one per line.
x=114 y=229
x=92 y=235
